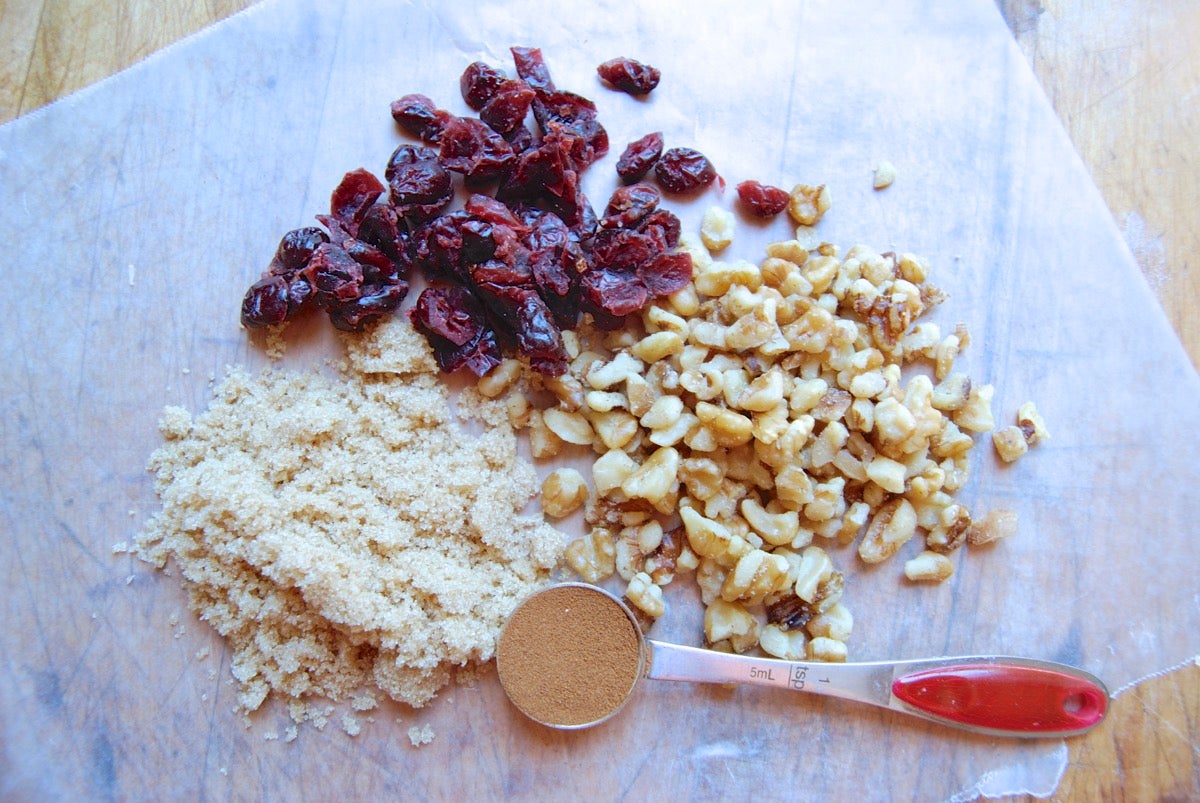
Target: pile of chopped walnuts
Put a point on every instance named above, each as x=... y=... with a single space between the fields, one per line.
x=759 y=416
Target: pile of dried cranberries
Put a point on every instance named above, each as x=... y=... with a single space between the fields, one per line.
x=514 y=267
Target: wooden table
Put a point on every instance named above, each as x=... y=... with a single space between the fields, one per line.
x=1124 y=77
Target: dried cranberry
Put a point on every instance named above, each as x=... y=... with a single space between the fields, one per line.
x=507 y=109
x=666 y=273
x=556 y=261
x=455 y=325
x=684 y=170
x=617 y=293
x=623 y=249
x=628 y=205
x=479 y=83
x=296 y=248
x=265 y=303
x=496 y=273
x=350 y=201
x=478 y=244
x=520 y=140
x=523 y=312
x=762 y=200
x=545 y=176
x=531 y=67
x=639 y=156
x=418 y=115
x=573 y=117
x=488 y=208
x=381 y=228
x=378 y=301
x=663 y=226
x=630 y=76
x=539 y=338
x=448 y=312
x=335 y=276
x=378 y=267
x=420 y=185
x=439 y=246
x=471 y=148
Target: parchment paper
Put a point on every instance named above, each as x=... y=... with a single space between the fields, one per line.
x=136 y=212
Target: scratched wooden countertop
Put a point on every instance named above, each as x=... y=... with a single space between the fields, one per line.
x=1124 y=78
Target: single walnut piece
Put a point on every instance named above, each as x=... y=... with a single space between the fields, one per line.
x=929 y=567
x=593 y=556
x=716 y=230
x=645 y=595
x=885 y=174
x=1010 y=443
x=563 y=492
x=893 y=525
x=995 y=525
x=808 y=204
x=1031 y=424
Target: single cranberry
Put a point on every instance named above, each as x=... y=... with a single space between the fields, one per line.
x=666 y=273
x=623 y=249
x=471 y=148
x=371 y=305
x=455 y=324
x=297 y=246
x=334 y=274
x=762 y=200
x=684 y=170
x=531 y=67
x=629 y=75
x=574 y=118
x=420 y=186
x=358 y=190
x=479 y=83
x=663 y=226
x=615 y=292
x=628 y=205
x=508 y=107
x=418 y=115
x=639 y=156
x=265 y=303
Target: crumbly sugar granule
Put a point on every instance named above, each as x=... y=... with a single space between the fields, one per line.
x=420 y=736
x=347 y=533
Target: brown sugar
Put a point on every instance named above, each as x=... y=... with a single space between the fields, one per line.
x=569 y=656
x=345 y=532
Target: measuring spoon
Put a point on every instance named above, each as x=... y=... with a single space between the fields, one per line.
x=566 y=661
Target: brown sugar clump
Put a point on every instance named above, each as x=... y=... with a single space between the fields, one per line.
x=347 y=533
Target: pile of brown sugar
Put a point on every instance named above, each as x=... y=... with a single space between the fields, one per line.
x=346 y=533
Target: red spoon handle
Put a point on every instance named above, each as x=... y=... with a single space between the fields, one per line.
x=1006 y=697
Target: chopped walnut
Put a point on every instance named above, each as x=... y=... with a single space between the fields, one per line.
x=1030 y=422
x=885 y=174
x=1010 y=443
x=808 y=204
x=995 y=525
x=563 y=492
x=771 y=408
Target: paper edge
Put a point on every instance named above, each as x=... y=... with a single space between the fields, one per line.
x=974 y=791
x=149 y=58
x=1017 y=56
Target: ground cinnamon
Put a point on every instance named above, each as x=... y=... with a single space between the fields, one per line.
x=569 y=656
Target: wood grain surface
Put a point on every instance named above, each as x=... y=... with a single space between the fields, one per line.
x=1123 y=76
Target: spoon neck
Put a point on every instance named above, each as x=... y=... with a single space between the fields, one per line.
x=870 y=683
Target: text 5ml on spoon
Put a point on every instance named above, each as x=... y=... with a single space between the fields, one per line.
x=570 y=656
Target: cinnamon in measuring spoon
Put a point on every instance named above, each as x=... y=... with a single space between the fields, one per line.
x=569 y=656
